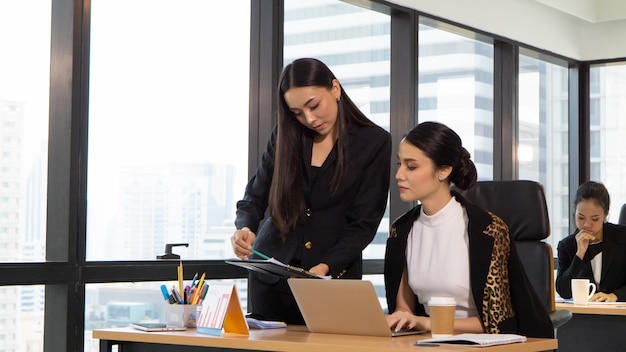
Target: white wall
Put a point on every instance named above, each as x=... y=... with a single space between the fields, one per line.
x=532 y=23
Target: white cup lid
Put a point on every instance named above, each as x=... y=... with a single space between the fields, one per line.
x=442 y=301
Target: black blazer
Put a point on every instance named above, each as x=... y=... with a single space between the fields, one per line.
x=613 y=275
x=339 y=225
x=503 y=295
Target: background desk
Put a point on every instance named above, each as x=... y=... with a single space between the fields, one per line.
x=290 y=339
x=593 y=328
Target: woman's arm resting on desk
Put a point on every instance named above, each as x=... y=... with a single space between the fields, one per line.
x=404 y=318
x=603 y=297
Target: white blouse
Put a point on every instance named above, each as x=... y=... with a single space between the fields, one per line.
x=437 y=255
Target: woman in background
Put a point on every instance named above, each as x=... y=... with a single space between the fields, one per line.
x=446 y=246
x=596 y=250
x=324 y=177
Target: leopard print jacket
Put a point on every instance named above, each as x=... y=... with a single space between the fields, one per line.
x=497 y=305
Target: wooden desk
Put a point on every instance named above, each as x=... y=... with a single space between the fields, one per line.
x=291 y=339
x=594 y=327
x=604 y=309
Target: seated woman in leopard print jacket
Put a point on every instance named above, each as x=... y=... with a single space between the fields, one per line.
x=448 y=247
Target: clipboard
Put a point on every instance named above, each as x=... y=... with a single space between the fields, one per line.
x=275 y=267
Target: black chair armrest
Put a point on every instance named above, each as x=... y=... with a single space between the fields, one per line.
x=560 y=317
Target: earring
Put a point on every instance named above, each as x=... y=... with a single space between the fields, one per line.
x=338 y=99
x=440 y=178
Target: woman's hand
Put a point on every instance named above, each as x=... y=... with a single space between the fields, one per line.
x=583 y=238
x=242 y=241
x=320 y=269
x=399 y=320
x=603 y=297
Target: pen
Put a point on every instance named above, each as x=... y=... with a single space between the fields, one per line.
x=171 y=299
x=198 y=295
x=202 y=294
x=166 y=294
x=259 y=253
x=177 y=295
x=193 y=281
x=195 y=296
x=427 y=344
x=192 y=294
x=206 y=289
x=180 y=277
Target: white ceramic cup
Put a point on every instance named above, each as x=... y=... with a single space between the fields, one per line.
x=441 y=311
x=581 y=290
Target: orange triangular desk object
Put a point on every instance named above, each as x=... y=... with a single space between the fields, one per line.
x=221 y=310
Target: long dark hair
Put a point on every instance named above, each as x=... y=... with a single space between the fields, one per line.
x=441 y=144
x=286 y=200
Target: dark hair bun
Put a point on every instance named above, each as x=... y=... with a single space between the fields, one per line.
x=464 y=173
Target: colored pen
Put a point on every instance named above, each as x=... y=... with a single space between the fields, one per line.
x=195 y=296
x=259 y=253
x=206 y=289
x=166 y=295
x=186 y=295
x=202 y=293
x=171 y=299
x=177 y=295
x=193 y=281
x=180 y=277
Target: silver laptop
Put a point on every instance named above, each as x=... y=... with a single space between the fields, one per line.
x=348 y=307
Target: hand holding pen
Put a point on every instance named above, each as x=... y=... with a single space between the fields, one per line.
x=242 y=241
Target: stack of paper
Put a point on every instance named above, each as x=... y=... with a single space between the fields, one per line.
x=264 y=324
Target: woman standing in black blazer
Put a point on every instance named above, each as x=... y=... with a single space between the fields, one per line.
x=596 y=251
x=324 y=177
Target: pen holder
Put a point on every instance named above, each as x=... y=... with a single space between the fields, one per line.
x=177 y=315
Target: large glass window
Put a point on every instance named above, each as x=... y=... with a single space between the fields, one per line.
x=24 y=95
x=168 y=126
x=21 y=318
x=24 y=100
x=168 y=146
x=355 y=44
x=607 y=131
x=117 y=305
x=542 y=150
x=456 y=88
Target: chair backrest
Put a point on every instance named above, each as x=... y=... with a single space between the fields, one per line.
x=522 y=205
x=622 y=215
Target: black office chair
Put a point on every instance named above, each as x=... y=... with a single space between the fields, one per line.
x=522 y=205
x=622 y=215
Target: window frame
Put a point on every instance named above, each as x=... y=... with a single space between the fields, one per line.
x=65 y=272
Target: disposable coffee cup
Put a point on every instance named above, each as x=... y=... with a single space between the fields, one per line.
x=441 y=316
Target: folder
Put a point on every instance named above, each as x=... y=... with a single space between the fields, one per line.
x=274 y=267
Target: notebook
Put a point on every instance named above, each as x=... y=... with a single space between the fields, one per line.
x=476 y=339
x=348 y=307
